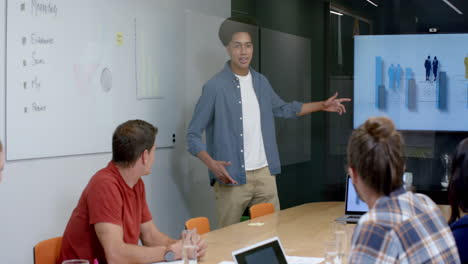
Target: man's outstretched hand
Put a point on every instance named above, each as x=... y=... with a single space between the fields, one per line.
x=334 y=104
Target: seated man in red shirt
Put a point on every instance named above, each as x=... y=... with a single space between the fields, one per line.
x=112 y=213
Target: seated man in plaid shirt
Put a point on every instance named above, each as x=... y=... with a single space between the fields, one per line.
x=400 y=227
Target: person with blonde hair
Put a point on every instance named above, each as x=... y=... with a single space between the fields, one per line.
x=400 y=227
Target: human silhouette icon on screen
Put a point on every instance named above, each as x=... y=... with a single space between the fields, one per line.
x=398 y=73
x=391 y=76
x=427 y=65
x=435 y=66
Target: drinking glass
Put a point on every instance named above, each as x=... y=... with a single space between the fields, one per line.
x=407 y=180
x=76 y=261
x=447 y=163
x=331 y=252
x=189 y=246
x=341 y=239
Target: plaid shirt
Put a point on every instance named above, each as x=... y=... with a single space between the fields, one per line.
x=403 y=228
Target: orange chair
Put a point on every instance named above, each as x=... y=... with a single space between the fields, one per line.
x=202 y=224
x=261 y=210
x=47 y=251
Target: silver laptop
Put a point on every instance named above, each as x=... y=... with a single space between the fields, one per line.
x=269 y=251
x=354 y=206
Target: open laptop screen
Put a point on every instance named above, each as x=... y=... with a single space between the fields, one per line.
x=268 y=251
x=354 y=205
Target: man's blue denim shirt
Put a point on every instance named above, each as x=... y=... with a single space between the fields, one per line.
x=219 y=113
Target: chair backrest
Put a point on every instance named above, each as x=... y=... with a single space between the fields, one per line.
x=202 y=224
x=47 y=251
x=261 y=210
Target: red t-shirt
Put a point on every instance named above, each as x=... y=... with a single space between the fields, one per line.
x=106 y=199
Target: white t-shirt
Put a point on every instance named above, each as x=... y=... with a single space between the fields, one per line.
x=254 y=151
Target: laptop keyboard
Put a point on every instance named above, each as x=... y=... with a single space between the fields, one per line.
x=353 y=217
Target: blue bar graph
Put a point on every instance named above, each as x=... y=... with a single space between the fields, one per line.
x=442 y=93
x=411 y=95
x=411 y=92
x=380 y=97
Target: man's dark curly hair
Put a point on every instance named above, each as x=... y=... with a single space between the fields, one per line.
x=233 y=25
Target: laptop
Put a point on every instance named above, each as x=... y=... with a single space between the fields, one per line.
x=269 y=251
x=354 y=206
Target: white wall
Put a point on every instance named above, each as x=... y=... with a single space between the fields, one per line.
x=37 y=196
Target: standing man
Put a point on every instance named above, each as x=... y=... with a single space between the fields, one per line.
x=112 y=214
x=237 y=109
x=427 y=65
x=435 y=67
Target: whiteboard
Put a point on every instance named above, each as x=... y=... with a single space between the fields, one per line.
x=75 y=69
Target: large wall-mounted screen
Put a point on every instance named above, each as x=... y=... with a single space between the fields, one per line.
x=420 y=81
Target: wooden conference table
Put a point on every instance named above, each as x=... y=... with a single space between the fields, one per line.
x=302 y=230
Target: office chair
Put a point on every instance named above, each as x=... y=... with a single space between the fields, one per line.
x=261 y=210
x=202 y=224
x=47 y=251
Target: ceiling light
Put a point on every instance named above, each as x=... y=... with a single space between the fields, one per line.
x=336 y=13
x=375 y=3
x=453 y=7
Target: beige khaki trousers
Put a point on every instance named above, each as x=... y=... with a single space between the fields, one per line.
x=231 y=201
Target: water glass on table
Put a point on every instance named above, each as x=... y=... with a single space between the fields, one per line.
x=189 y=246
x=342 y=240
x=331 y=252
x=407 y=180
